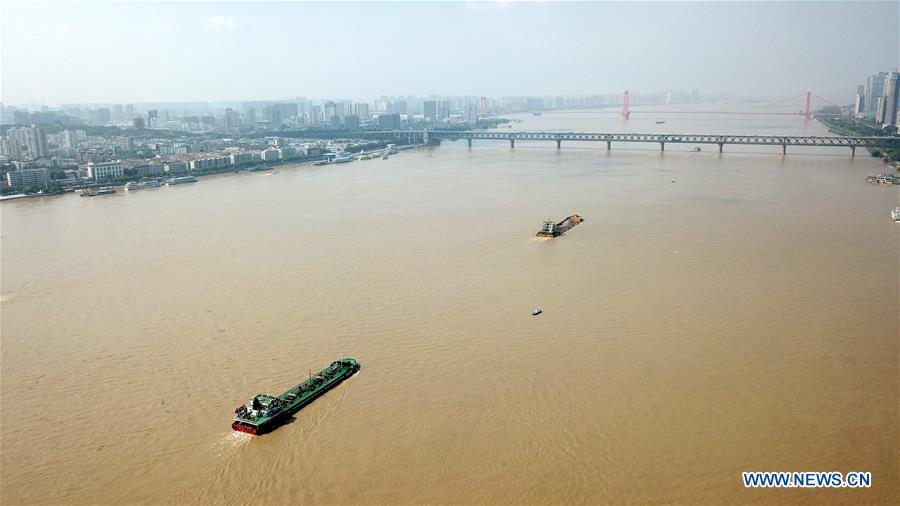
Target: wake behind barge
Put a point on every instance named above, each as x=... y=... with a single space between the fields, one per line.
x=550 y=229
x=265 y=413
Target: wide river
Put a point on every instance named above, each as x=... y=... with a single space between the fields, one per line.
x=713 y=314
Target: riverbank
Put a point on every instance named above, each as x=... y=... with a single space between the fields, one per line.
x=255 y=166
x=855 y=127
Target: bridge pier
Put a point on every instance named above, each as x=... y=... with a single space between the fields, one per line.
x=512 y=143
x=720 y=147
x=558 y=144
x=852 y=151
x=784 y=150
x=608 y=145
x=662 y=146
x=470 y=142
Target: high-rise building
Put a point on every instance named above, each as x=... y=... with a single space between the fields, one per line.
x=858 y=106
x=273 y=115
x=126 y=143
x=330 y=110
x=362 y=110
x=389 y=121
x=342 y=108
x=138 y=123
x=290 y=110
x=102 y=116
x=21 y=117
x=230 y=118
x=36 y=140
x=67 y=139
x=430 y=110
x=351 y=122
x=153 y=118
x=471 y=112
x=10 y=146
x=874 y=90
x=879 y=110
x=250 y=117
x=316 y=116
x=890 y=102
x=129 y=110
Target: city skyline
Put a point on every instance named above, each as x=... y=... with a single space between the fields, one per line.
x=158 y=52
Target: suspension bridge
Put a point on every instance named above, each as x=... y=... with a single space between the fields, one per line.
x=803 y=104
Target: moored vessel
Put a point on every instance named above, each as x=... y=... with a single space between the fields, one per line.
x=141 y=185
x=94 y=192
x=265 y=412
x=181 y=180
x=895 y=214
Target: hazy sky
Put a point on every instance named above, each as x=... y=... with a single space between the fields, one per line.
x=136 y=52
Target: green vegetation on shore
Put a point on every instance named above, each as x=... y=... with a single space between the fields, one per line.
x=852 y=126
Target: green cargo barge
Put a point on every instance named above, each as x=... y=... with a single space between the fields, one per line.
x=265 y=413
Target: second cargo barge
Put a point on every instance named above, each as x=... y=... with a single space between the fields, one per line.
x=550 y=229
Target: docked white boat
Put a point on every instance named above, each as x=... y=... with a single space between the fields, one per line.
x=142 y=185
x=181 y=180
x=895 y=214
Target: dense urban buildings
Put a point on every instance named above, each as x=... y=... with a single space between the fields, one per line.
x=110 y=141
x=877 y=100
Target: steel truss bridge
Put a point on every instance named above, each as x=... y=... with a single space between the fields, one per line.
x=784 y=141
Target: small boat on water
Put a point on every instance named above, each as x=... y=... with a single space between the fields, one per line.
x=883 y=178
x=660 y=121
x=895 y=214
x=696 y=148
x=536 y=311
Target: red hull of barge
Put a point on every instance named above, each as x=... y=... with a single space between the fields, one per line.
x=243 y=428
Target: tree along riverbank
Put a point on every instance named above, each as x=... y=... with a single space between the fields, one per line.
x=862 y=128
